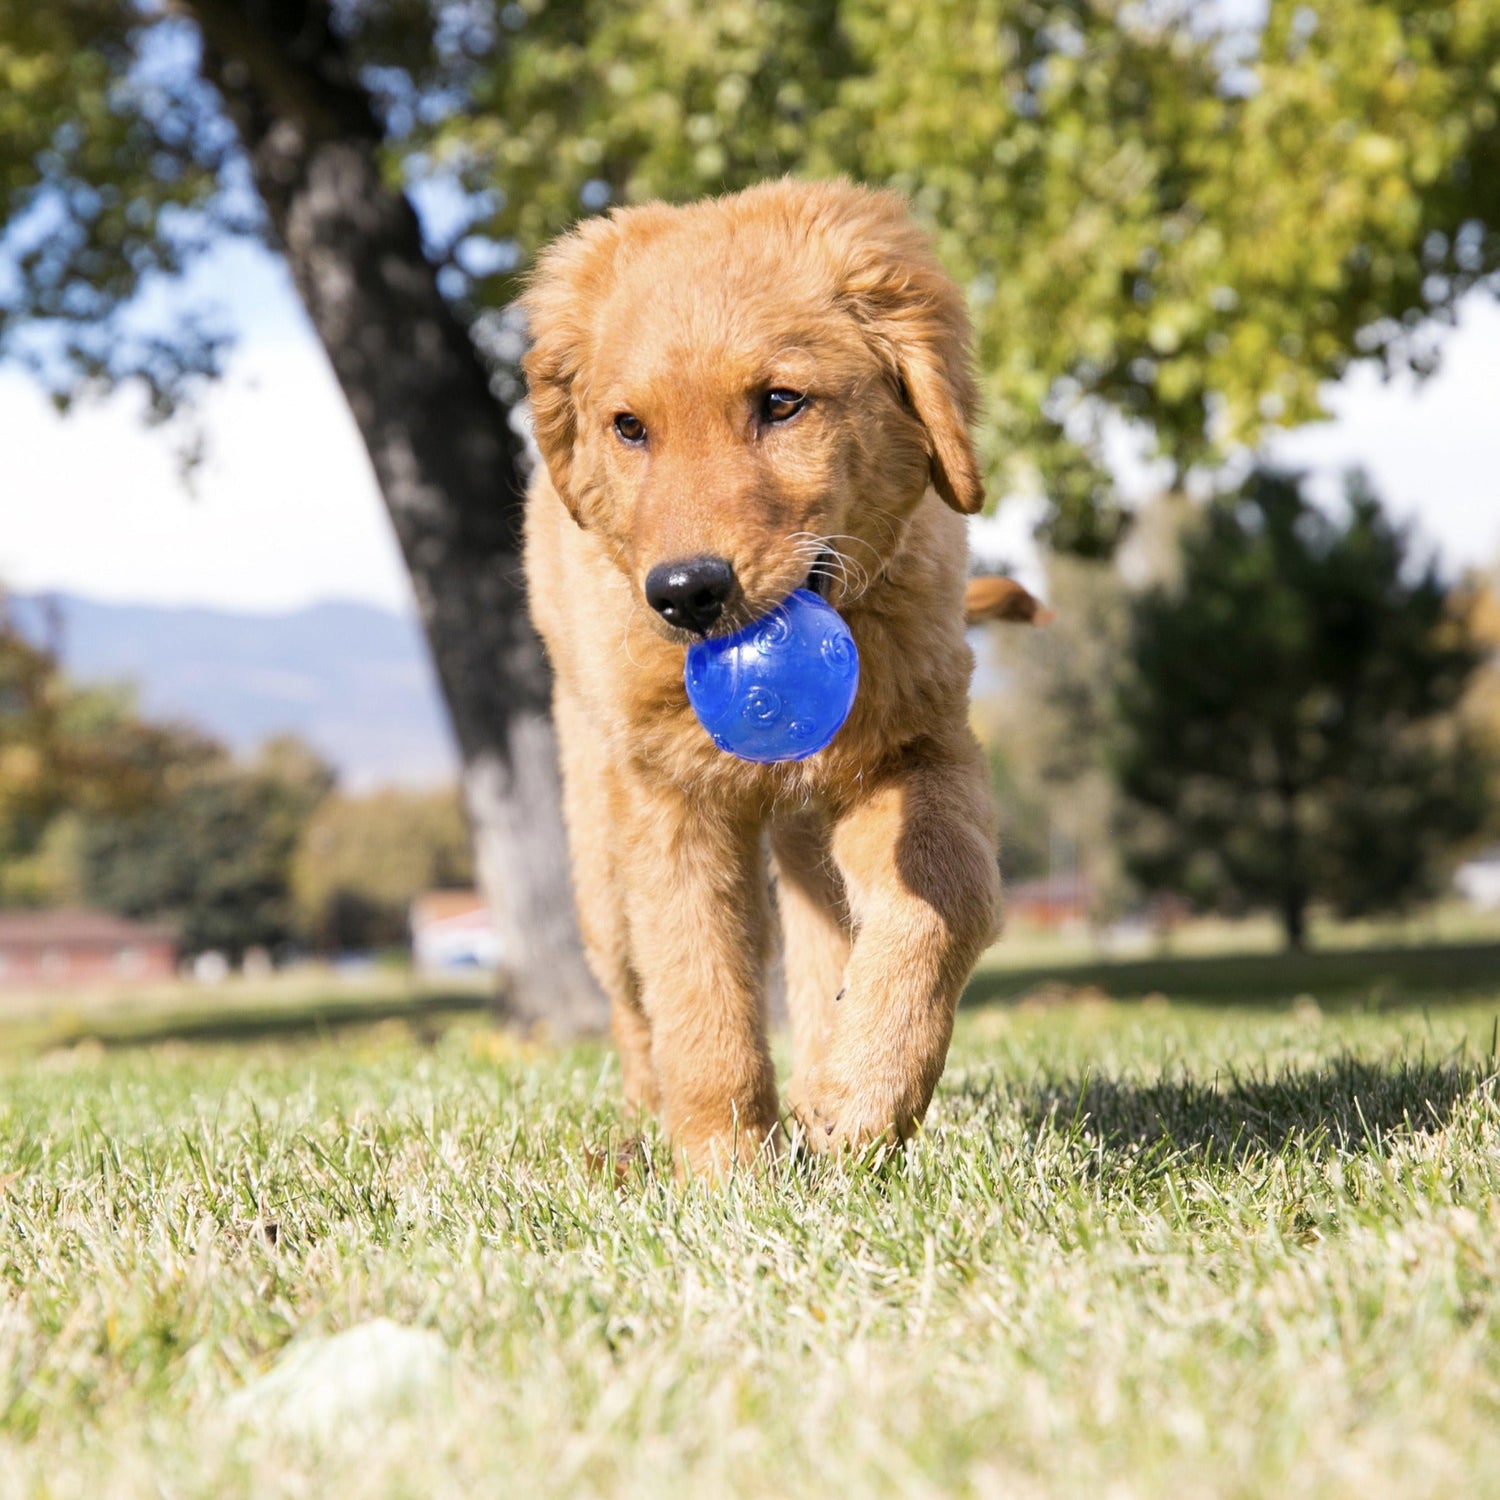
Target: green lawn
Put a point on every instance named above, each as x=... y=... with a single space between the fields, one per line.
x=1143 y=1250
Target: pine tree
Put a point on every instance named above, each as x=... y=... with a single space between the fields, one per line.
x=1288 y=724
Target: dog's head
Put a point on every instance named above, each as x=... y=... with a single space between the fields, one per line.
x=750 y=393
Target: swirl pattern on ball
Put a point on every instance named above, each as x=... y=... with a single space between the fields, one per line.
x=779 y=689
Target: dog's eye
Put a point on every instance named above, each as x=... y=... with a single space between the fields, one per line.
x=781 y=405
x=630 y=429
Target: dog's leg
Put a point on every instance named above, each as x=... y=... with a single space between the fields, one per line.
x=699 y=919
x=815 y=936
x=917 y=853
x=591 y=810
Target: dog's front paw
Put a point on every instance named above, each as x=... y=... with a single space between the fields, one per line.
x=836 y=1112
x=715 y=1155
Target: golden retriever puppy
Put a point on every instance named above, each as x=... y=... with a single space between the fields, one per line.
x=734 y=399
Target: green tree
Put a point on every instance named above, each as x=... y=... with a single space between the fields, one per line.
x=64 y=751
x=146 y=819
x=1191 y=228
x=1186 y=228
x=361 y=860
x=214 y=852
x=1288 y=723
x=31 y=788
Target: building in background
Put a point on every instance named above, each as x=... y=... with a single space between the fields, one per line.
x=1478 y=880
x=451 y=931
x=1058 y=903
x=47 y=948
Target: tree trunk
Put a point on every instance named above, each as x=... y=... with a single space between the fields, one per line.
x=445 y=456
x=1294 y=919
x=1294 y=884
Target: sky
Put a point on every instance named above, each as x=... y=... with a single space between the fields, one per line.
x=285 y=511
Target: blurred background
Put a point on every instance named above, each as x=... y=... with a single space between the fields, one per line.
x=271 y=721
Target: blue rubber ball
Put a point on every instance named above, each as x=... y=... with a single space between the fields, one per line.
x=779 y=689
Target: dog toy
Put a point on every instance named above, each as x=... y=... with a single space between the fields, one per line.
x=779 y=689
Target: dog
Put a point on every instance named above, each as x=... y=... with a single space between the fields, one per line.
x=732 y=400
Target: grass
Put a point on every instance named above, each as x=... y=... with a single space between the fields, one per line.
x=315 y=999
x=1140 y=1251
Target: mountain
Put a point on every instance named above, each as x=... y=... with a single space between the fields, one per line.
x=352 y=680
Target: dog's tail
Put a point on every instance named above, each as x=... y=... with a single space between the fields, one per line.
x=1003 y=599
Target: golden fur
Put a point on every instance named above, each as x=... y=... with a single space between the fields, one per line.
x=884 y=844
x=1002 y=599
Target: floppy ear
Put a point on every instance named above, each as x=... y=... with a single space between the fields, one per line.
x=563 y=292
x=914 y=316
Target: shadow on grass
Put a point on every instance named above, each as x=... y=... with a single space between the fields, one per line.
x=253 y=1024
x=1347 y=1105
x=1371 y=978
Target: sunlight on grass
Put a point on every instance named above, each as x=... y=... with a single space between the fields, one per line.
x=1139 y=1251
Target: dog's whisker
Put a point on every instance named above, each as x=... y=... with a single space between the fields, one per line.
x=833 y=569
x=835 y=563
x=850 y=562
x=625 y=635
x=869 y=546
x=855 y=579
x=848 y=536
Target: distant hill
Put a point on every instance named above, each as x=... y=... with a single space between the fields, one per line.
x=352 y=680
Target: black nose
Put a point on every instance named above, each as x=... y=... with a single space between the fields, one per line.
x=690 y=594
